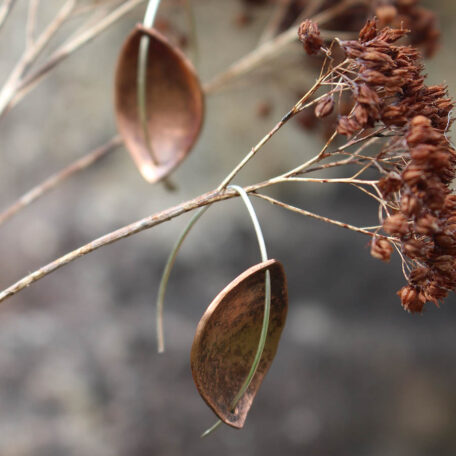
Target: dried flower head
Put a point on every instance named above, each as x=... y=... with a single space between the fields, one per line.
x=416 y=161
x=309 y=35
x=382 y=249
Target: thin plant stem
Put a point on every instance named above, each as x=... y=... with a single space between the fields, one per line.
x=165 y=277
x=53 y=181
x=269 y=49
x=31 y=54
x=208 y=198
x=267 y=304
x=5 y=9
x=31 y=22
x=245 y=65
x=64 y=51
x=84 y=9
x=299 y=169
x=310 y=9
x=98 y=12
x=148 y=222
x=109 y=238
x=293 y=111
x=154 y=220
x=275 y=20
x=313 y=215
x=348 y=180
x=189 y=11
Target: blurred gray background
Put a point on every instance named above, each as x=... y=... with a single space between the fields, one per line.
x=79 y=373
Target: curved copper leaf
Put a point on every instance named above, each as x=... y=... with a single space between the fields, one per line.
x=227 y=338
x=174 y=100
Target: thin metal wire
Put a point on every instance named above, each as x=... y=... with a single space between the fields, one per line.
x=149 y=18
x=165 y=277
x=267 y=306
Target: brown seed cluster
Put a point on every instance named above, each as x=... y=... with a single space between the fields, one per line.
x=425 y=221
x=399 y=14
x=309 y=35
x=389 y=90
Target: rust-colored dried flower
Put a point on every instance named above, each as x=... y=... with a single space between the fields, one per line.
x=309 y=35
x=392 y=182
x=417 y=163
x=381 y=249
x=369 y=31
x=396 y=224
x=410 y=299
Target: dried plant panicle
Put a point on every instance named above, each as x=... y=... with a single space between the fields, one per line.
x=392 y=91
x=416 y=161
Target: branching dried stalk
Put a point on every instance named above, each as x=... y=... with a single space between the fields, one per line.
x=53 y=181
x=19 y=83
x=5 y=9
x=211 y=197
x=414 y=161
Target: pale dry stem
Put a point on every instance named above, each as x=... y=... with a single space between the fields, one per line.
x=211 y=197
x=313 y=215
x=31 y=22
x=5 y=9
x=219 y=194
x=31 y=53
x=53 y=181
x=21 y=86
x=271 y=48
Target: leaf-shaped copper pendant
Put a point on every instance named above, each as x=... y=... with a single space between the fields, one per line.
x=174 y=101
x=227 y=338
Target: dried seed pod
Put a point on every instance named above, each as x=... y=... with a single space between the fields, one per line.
x=444 y=241
x=411 y=299
x=324 y=107
x=414 y=248
x=369 y=31
x=413 y=174
x=366 y=95
x=381 y=249
x=396 y=224
x=174 y=103
x=419 y=275
x=361 y=115
x=444 y=263
x=347 y=126
x=427 y=225
x=392 y=182
x=410 y=205
x=309 y=35
x=435 y=293
x=450 y=202
x=227 y=338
